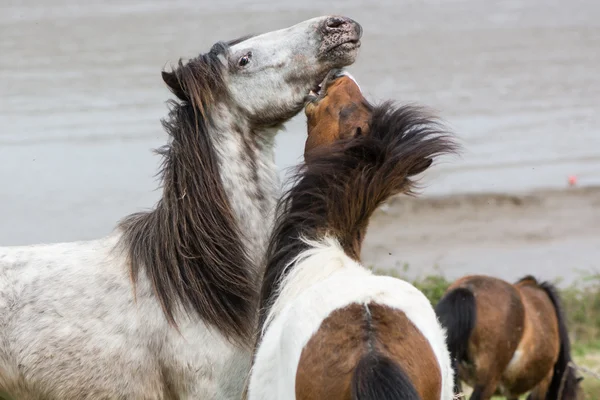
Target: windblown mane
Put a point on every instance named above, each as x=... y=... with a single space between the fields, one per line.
x=530 y=279
x=336 y=192
x=190 y=245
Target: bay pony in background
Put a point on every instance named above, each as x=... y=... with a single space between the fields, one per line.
x=508 y=339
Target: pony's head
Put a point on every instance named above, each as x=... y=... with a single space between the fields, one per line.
x=337 y=111
x=266 y=78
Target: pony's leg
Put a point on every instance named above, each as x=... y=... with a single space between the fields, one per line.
x=539 y=392
x=485 y=388
x=488 y=374
x=481 y=392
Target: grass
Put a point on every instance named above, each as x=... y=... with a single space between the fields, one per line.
x=581 y=303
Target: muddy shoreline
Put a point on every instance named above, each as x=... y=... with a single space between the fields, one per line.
x=549 y=233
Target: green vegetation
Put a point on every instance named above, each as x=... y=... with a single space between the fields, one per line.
x=581 y=303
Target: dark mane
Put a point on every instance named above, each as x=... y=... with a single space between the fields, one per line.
x=200 y=81
x=190 y=245
x=528 y=279
x=343 y=184
x=238 y=40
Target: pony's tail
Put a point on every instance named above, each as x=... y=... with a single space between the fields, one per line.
x=457 y=313
x=564 y=381
x=377 y=377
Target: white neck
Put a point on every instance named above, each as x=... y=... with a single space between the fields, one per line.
x=323 y=259
x=249 y=175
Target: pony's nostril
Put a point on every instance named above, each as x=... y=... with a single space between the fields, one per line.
x=335 y=22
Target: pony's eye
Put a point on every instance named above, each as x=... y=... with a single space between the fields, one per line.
x=244 y=60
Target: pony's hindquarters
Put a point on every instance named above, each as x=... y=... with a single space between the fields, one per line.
x=368 y=351
x=313 y=343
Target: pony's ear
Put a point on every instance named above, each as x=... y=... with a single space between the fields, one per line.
x=362 y=130
x=420 y=166
x=174 y=84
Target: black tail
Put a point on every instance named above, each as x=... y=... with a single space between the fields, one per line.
x=564 y=381
x=336 y=193
x=457 y=313
x=377 y=377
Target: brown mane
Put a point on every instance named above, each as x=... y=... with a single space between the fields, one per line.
x=344 y=183
x=528 y=280
x=190 y=245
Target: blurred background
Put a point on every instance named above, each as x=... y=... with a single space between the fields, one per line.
x=519 y=81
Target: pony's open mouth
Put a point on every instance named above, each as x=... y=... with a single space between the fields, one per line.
x=314 y=92
x=320 y=90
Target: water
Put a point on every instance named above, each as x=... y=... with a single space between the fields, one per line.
x=81 y=94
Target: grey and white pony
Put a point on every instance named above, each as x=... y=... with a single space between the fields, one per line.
x=165 y=306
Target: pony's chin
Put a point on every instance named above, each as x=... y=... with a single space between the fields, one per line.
x=315 y=93
x=320 y=90
x=343 y=54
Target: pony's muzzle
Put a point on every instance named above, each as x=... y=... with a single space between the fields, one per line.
x=338 y=24
x=340 y=34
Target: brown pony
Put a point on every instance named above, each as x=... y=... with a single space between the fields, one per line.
x=330 y=329
x=508 y=339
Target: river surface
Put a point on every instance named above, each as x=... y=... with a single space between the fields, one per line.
x=81 y=94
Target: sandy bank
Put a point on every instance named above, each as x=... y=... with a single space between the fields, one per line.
x=549 y=233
